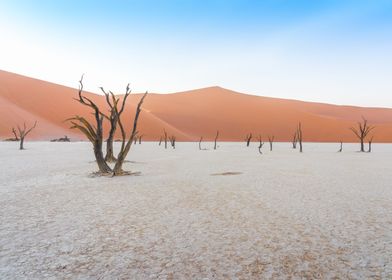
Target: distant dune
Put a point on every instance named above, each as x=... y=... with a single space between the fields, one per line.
x=188 y=115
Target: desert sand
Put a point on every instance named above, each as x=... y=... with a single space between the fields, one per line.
x=187 y=115
x=316 y=215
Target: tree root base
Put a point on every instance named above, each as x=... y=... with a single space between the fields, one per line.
x=127 y=173
x=111 y=174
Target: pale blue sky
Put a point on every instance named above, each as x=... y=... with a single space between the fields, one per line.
x=327 y=51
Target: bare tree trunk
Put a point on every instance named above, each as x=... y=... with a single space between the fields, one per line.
x=201 y=139
x=102 y=165
x=101 y=162
x=370 y=145
x=299 y=135
x=271 y=141
x=21 y=143
x=117 y=170
x=248 y=138
x=140 y=139
x=109 y=144
x=261 y=143
x=295 y=140
x=216 y=138
x=172 y=140
x=112 y=102
x=165 y=133
x=341 y=147
x=160 y=140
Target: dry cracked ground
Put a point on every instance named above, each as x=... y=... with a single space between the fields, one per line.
x=225 y=214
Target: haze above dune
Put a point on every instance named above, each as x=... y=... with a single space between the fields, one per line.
x=188 y=115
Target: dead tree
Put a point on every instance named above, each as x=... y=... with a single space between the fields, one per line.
x=165 y=138
x=362 y=132
x=23 y=132
x=160 y=140
x=93 y=133
x=295 y=140
x=113 y=103
x=299 y=136
x=201 y=139
x=271 y=141
x=370 y=145
x=341 y=147
x=140 y=139
x=216 y=138
x=126 y=144
x=172 y=140
x=261 y=143
x=248 y=138
x=135 y=141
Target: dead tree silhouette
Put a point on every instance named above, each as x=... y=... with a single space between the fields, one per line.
x=299 y=136
x=261 y=143
x=248 y=138
x=201 y=139
x=22 y=133
x=165 y=137
x=216 y=138
x=295 y=140
x=172 y=140
x=370 y=145
x=341 y=147
x=271 y=141
x=95 y=132
x=362 y=132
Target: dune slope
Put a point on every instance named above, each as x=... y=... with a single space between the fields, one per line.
x=188 y=115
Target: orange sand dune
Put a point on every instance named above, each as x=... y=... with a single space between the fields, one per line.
x=188 y=115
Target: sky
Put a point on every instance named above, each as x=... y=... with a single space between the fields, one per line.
x=333 y=51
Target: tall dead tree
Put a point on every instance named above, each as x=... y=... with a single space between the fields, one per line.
x=113 y=102
x=299 y=136
x=271 y=141
x=261 y=143
x=216 y=138
x=23 y=132
x=95 y=132
x=140 y=139
x=248 y=138
x=201 y=139
x=362 y=132
x=160 y=140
